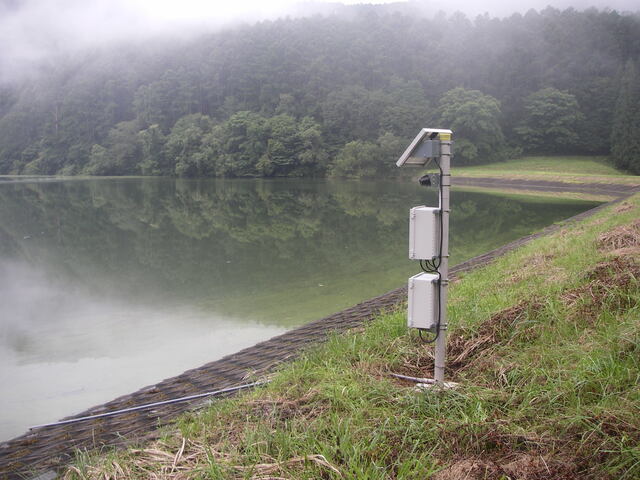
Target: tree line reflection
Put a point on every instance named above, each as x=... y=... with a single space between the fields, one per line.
x=194 y=239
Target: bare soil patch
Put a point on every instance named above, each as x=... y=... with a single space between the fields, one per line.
x=623 y=207
x=523 y=466
x=622 y=237
x=610 y=284
x=465 y=347
x=275 y=411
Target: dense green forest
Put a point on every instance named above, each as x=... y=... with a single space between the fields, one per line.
x=337 y=95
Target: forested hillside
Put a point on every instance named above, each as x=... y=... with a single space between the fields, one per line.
x=333 y=95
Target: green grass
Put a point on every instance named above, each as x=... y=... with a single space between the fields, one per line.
x=578 y=169
x=575 y=165
x=544 y=342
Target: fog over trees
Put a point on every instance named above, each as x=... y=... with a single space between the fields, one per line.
x=334 y=94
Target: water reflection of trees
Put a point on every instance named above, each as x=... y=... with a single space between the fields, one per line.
x=206 y=237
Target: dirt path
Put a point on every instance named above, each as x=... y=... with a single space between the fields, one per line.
x=616 y=190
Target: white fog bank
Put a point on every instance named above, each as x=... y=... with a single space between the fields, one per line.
x=32 y=31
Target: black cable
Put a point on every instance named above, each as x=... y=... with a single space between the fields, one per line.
x=430 y=266
x=441 y=214
x=420 y=330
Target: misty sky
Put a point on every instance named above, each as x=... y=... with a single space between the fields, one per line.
x=30 y=30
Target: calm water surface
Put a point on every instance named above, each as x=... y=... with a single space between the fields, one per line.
x=108 y=285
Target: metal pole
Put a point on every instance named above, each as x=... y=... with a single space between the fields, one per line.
x=445 y=185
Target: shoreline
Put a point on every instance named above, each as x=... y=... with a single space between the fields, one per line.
x=52 y=447
x=541 y=347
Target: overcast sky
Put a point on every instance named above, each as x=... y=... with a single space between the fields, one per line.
x=32 y=29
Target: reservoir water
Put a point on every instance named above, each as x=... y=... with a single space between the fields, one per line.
x=108 y=285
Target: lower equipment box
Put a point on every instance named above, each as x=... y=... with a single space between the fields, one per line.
x=423 y=301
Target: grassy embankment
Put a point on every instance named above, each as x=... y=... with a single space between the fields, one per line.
x=562 y=169
x=545 y=343
x=567 y=169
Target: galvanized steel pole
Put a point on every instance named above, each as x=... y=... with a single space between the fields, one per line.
x=445 y=185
